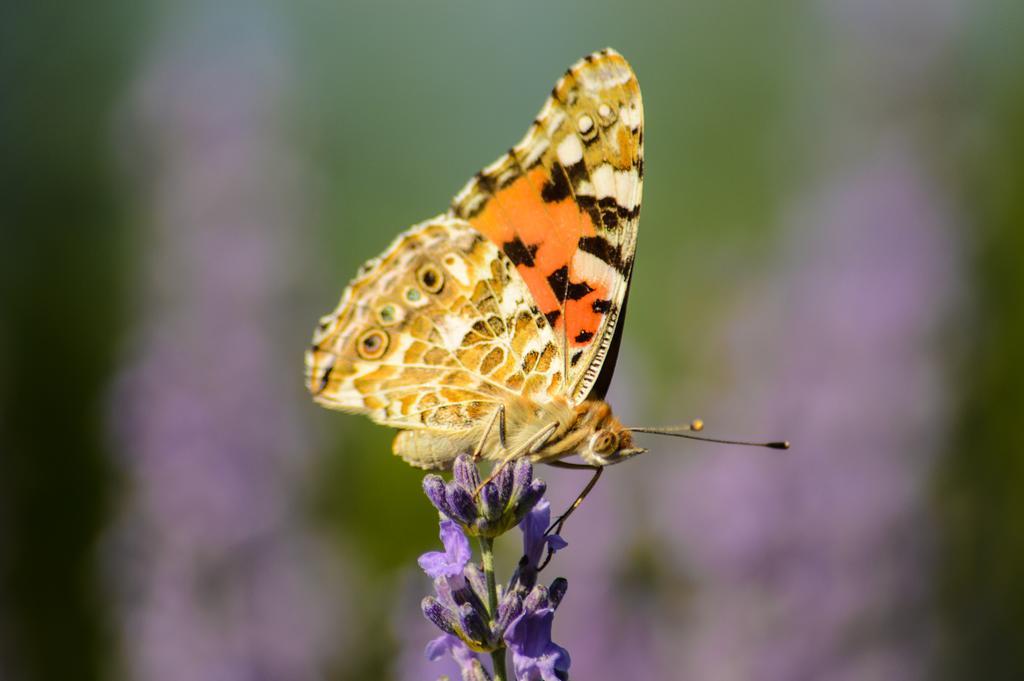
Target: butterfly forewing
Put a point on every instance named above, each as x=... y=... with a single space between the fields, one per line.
x=563 y=205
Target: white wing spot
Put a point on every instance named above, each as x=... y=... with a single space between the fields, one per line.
x=618 y=184
x=453 y=329
x=456 y=266
x=570 y=151
x=631 y=115
x=593 y=269
x=604 y=180
x=585 y=123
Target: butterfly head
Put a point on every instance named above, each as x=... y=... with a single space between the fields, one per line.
x=608 y=441
x=610 y=446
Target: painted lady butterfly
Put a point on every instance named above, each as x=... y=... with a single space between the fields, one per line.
x=494 y=327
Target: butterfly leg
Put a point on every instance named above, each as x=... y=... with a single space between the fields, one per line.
x=531 y=446
x=556 y=526
x=499 y=418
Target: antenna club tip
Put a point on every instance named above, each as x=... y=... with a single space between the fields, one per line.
x=784 y=444
x=696 y=425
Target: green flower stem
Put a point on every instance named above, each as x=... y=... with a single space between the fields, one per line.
x=487 y=552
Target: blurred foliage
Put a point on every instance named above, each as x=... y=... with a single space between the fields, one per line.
x=61 y=69
x=980 y=491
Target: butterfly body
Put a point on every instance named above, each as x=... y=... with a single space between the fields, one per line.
x=487 y=328
x=588 y=430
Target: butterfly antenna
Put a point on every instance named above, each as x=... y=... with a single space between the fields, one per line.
x=697 y=426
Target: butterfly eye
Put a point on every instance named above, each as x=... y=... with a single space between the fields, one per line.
x=430 y=278
x=372 y=344
x=605 y=442
x=387 y=314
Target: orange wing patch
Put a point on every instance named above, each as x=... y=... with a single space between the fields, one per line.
x=563 y=205
x=542 y=240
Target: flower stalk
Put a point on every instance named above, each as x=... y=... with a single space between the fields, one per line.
x=487 y=558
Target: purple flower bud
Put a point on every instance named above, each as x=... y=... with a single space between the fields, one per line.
x=439 y=615
x=477 y=581
x=522 y=476
x=524 y=577
x=473 y=625
x=503 y=481
x=501 y=503
x=530 y=496
x=465 y=473
x=536 y=599
x=510 y=607
x=556 y=592
x=443 y=589
x=490 y=502
x=433 y=487
x=466 y=595
x=460 y=500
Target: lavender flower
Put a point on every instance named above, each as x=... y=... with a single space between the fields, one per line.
x=473 y=612
x=500 y=504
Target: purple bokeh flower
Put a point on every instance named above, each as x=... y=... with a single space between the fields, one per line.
x=828 y=539
x=216 y=576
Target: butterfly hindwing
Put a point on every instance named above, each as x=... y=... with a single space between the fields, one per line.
x=563 y=206
x=435 y=335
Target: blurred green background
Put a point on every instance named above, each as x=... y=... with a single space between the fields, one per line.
x=831 y=251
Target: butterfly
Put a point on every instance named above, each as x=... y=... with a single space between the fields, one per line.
x=494 y=327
